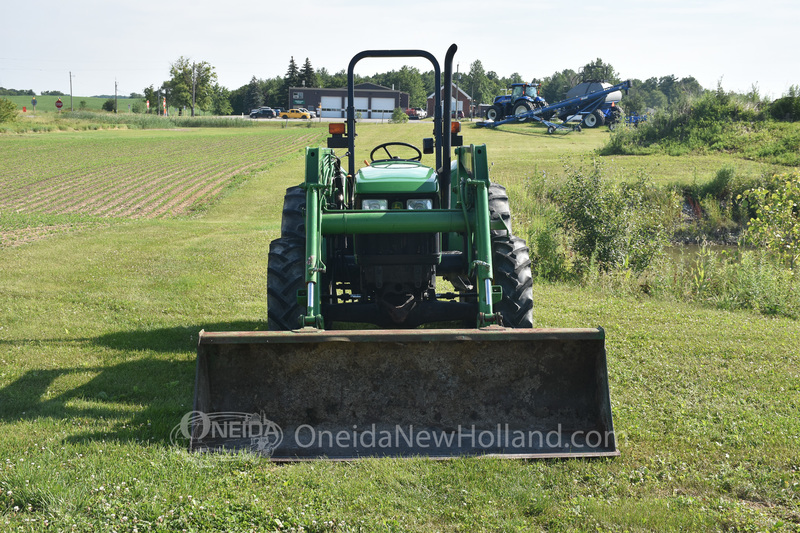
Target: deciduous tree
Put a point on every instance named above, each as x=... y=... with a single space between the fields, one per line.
x=191 y=84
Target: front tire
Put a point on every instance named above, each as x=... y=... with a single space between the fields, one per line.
x=285 y=276
x=512 y=271
x=494 y=113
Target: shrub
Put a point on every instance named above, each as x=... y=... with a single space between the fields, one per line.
x=610 y=225
x=399 y=116
x=786 y=108
x=547 y=252
x=591 y=211
x=8 y=111
x=108 y=105
x=776 y=226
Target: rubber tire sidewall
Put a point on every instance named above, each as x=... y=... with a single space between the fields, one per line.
x=521 y=105
x=498 y=114
x=512 y=272
x=499 y=208
x=285 y=276
x=293 y=217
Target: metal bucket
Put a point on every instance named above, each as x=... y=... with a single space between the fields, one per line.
x=311 y=394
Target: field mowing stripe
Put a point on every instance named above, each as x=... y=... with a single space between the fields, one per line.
x=72 y=183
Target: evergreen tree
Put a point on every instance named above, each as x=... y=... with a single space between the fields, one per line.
x=292 y=77
x=254 y=98
x=307 y=75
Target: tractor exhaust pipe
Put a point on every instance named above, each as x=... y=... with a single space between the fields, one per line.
x=444 y=177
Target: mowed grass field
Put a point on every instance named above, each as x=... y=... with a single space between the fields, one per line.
x=64 y=181
x=164 y=233
x=47 y=103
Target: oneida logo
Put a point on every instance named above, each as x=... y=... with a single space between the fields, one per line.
x=264 y=436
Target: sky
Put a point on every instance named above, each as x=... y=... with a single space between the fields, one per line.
x=737 y=44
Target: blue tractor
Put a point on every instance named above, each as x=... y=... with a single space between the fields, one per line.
x=524 y=97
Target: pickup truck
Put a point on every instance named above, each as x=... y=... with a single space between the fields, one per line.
x=295 y=113
x=416 y=113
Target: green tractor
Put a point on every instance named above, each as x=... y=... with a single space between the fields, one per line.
x=373 y=246
x=367 y=246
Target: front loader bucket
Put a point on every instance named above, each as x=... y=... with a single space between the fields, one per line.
x=294 y=395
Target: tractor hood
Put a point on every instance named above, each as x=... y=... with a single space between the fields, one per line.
x=402 y=177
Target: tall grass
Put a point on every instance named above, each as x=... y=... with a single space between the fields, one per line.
x=589 y=230
x=715 y=122
x=732 y=279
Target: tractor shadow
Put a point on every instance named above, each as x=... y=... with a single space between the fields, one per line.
x=139 y=396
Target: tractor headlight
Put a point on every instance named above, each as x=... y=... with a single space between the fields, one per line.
x=374 y=204
x=419 y=204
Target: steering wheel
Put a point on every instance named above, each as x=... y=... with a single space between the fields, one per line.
x=385 y=147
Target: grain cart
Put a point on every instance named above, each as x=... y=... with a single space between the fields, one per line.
x=375 y=245
x=607 y=111
x=584 y=108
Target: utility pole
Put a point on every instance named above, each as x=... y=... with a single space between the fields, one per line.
x=115 y=95
x=194 y=84
x=455 y=82
x=71 y=107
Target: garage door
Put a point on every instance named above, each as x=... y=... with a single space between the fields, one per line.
x=332 y=107
x=382 y=108
x=362 y=106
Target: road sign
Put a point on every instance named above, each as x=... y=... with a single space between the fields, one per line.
x=33 y=101
x=59 y=103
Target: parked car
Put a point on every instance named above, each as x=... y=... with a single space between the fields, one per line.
x=312 y=114
x=278 y=110
x=295 y=113
x=263 y=112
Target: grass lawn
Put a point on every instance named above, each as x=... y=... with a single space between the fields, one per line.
x=46 y=104
x=98 y=328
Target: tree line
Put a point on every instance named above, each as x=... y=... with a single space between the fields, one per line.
x=481 y=84
x=193 y=85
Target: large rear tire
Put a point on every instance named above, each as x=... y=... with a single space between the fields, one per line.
x=521 y=108
x=499 y=208
x=285 y=276
x=293 y=218
x=512 y=271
